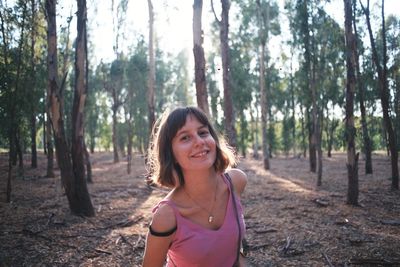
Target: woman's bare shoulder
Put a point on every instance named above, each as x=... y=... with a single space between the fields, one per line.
x=239 y=179
x=163 y=218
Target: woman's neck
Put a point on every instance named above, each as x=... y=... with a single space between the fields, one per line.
x=200 y=183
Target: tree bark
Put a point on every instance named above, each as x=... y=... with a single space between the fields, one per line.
x=307 y=56
x=384 y=94
x=114 y=124
x=82 y=202
x=352 y=158
x=152 y=70
x=359 y=82
x=78 y=199
x=33 y=86
x=226 y=80
x=263 y=35
x=199 y=60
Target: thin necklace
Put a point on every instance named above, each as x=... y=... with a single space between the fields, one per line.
x=210 y=213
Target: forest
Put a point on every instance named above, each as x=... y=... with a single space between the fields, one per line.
x=310 y=102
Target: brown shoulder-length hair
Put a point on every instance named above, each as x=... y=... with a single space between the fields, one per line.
x=161 y=163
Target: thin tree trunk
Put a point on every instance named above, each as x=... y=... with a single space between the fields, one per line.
x=10 y=169
x=152 y=70
x=292 y=100
x=352 y=158
x=303 y=132
x=129 y=158
x=226 y=79
x=33 y=86
x=359 y=82
x=114 y=127
x=384 y=94
x=78 y=149
x=199 y=60
x=263 y=35
x=264 y=111
x=310 y=88
x=11 y=116
x=88 y=163
x=49 y=140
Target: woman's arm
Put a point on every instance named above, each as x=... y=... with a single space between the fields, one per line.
x=157 y=246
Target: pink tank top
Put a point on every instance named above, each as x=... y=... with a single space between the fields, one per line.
x=194 y=245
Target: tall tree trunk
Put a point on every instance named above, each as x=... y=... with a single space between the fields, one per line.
x=292 y=101
x=226 y=79
x=397 y=102
x=359 y=82
x=33 y=86
x=307 y=56
x=384 y=94
x=264 y=111
x=78 y=148
x=88 y=163
x=254 y=131
x=352 y=158
x=78 y=199
x=15 y=121
x=51 y=39
x=49 y=139
x=129 y=158
x=303 y=131
x=152 y=70
x=263 y=35
x=114 y=124
x=10 y=163
x=199 y=60
x=10 y=134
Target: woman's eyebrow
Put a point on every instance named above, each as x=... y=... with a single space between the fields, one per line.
x=184 y=131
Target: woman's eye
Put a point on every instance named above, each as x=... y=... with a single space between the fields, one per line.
x=185 y=138
x=203 y=133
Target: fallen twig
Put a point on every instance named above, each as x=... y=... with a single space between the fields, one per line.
x=285 y=249
x=327 y=260
x=321 y=202
x=265 y=231
x=390 y=222
x=384 y=262
x=103 y=251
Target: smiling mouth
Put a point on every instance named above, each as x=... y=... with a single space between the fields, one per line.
x=200 y=154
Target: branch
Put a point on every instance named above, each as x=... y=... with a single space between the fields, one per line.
x=327 y=260
x=215 y=15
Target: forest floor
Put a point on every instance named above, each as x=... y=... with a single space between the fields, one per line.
x=289 y=221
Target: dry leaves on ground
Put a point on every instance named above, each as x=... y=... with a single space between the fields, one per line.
x=289 y=221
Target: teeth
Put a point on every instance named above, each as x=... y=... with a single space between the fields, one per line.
x=200 y=154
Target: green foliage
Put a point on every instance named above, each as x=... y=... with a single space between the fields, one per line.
x=311 y=29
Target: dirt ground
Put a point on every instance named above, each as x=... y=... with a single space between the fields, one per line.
x=289 y=221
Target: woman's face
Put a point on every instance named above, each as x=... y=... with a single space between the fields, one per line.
x=193 y=146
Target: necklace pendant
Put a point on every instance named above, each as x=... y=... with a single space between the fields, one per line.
x=210 y=219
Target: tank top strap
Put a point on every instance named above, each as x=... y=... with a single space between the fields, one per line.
x=225 y=179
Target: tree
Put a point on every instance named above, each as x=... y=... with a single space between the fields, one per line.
x=381 y=68
x=199 y=59
x=226 y=79
x=71 y=169
x=360 y=85
x=300 y=27
x=33 y=84
x=263 y=37
x=352 y=158
x=152 y=69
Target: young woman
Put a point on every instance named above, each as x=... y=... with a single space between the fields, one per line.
x=200 y=222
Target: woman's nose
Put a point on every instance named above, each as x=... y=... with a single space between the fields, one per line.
x=198 y=140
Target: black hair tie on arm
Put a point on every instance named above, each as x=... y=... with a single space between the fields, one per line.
x=162 y=234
